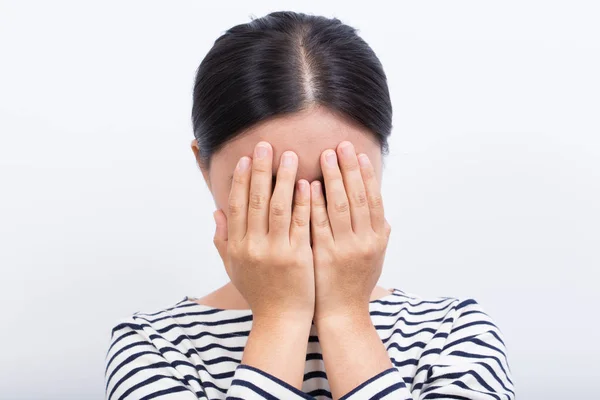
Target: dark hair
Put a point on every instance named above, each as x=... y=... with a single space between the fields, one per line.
x=282 y=63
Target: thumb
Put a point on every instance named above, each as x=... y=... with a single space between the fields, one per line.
x=220 y=238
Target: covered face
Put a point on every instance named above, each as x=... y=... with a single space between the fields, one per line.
x=307 y=133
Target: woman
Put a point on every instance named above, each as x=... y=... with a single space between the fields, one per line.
x=291 y=116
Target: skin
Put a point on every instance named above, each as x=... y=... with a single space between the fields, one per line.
x=294 y=258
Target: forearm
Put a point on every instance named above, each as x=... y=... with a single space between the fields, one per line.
x=352 y=351
x=278 y=347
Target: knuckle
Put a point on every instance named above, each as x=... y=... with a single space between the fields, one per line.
x=375 y=201
x=321 y=223
x=360 y=198
x=278 y=209
x=282 y=260
x=369 y=248
x=388 y=229
x=238 y=179
x=341 y=207
x=257 y=201
x=352 y=166
x=254 y=253
x=232 y=251
x=318 y=202
x=301 y=201
x=299 y=221
x=261 y=167
x=234 y=208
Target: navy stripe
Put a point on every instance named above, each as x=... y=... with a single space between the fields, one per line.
x=314 y=356
x=320 y=392
x=474 y=323
x=163 y=392
x=474 y=339
x=123 y=349
x=275 y=379
x=480 y=356
x=396 y=346
x=200 y=335
x=390 y=389
x=254 y=388
x=315 y=374
x=462 y=385
x=165 y=329
x=365 y=383
x=466 y=303
x=404 y=320
x=458 y=375
x=145 y=383
x=404 y=363
x=128 y=361
x=115 y=341
x=159 y=365
x=445 y=396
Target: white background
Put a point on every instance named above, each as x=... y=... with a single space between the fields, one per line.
x=492 y=185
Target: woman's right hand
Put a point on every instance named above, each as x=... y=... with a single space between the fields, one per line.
x=266 y=251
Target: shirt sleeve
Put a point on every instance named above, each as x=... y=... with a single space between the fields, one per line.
x=472 y=364
x=136 y=368
x=252 y=383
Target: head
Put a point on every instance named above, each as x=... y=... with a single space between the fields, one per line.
x=300 y=82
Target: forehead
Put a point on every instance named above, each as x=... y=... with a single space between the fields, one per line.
x=308 y=133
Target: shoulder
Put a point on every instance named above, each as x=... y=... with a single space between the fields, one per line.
x=466 y=355
x=145 y=354
x=458 y=304
x=465 y=323
x=462 y=313
x=416 y=304
x=137 y=342
x=140 y=322
x=146 y=333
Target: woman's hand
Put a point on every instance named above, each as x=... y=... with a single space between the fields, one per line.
x=267 y=255
x=265 y=245
x=349 y=234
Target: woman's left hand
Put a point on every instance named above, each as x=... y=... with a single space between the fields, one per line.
x=349 y=234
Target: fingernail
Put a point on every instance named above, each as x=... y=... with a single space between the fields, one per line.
x=346 y=149
x=261 y=151
x=330 y=158
x=243 y=163
x=316 y=189
x=363 y=160
x=302 y=186
x=287 y=159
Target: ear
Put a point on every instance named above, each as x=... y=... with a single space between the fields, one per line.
x=201 y=165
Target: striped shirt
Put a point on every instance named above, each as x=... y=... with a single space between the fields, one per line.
x=440 y=348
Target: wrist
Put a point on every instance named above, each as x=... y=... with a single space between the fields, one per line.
x=268 y=323
x=277 y=345
x=344 y=320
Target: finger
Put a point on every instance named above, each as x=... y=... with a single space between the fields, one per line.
x=300 y=225
x=374 y=197
x=238 y=200
x=338 y=206
x=388 y=228
x=355 y=189
x=319 y=218
x=260 y=189
x=280 y=212
x=220 y=237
